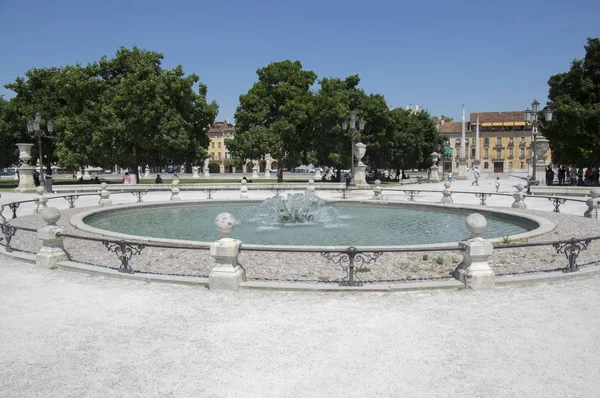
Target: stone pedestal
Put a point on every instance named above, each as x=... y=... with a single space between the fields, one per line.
x=255 y=172
x=311 y=186
x=26 y=183
x=52 y=250
x=267 y=173
x=104 y=196
x=519 y=196
x=462 y=169
x=195 y=172
x=474 y=271
x=175 y=191
x=377 y=191
x=434 y=175
x=541 y=147
x=244 y=190
x=227 y=274
x=318 y=176
x=447 y=194
x=41 y=200
x=593 y=204
x=360 y=177
x=147 y=171
x=86 y=174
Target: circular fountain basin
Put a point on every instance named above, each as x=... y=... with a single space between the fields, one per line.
x=342 y=223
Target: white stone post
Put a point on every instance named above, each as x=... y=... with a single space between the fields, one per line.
x=360 y=177
x=104 y=196
x=147 y=171
x=195 y=172
x=318 y=176
x=267 y=172
x=593 y=204
x=447 y=198
x=255 y=169
x=311 y=186
x=227 y=273
x=26 y=183
x=244 y=190
x=377 y=191
x=433 y=175
x=474 y=271
x=519 y=196
x=175 y=191
x=52 y=250
x=41 y=200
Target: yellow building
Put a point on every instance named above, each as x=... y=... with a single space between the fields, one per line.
x=504 y=142
x=217 y=150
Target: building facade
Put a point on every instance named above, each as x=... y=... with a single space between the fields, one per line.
x=505 y=142
x=219 y=157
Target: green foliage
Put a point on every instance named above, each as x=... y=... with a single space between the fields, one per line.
x=574 y=133
x=126 y=110
x=440 y=260
x=273 y=117
x=425 y=257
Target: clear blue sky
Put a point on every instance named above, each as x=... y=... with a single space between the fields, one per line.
x=491 y=56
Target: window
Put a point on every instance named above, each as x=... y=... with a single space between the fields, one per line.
x=473 y=140
x=212 y=156
x=212 y=145
x=522 y=153
x=498 y=153
x=499 y=141
x=510 y=152
x=522 y=141
x=458 y=142
x=486 y=165
x=219 y=144
x=486 y=141
x=486 y=153
x=473 y=153
x=511 y=140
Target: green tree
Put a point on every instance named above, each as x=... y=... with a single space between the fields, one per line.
x=130 y=111
x=274 y=115
x=574 y=133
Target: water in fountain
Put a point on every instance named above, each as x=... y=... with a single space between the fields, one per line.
x=296 y=208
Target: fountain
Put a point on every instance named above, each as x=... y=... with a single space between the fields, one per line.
x=297 y=208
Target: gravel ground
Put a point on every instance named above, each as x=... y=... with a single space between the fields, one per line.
x=65 y=334
x=312 y=267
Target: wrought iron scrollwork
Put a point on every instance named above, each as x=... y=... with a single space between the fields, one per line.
x=125 y=251
x=411 y=194
x=71 y=199
x=208 y=193
x=351 y=261
x=344 y=192
x=8 y=231
x=482 y=197
x=572 y=249
x=557 y=202
x=14 y=207
x=139 y=195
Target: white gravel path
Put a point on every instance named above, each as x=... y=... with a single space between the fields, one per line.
x=65 y=334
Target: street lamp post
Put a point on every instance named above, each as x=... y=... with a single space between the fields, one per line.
x=33 y=127
x=352 y=134
x=445 y=146
x=540 y=144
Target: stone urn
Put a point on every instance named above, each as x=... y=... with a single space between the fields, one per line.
x=25 y=152
x=359 y=152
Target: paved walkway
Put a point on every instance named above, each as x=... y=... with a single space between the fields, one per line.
x=64 y=334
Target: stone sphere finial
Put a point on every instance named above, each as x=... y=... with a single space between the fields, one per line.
x=244 y=182
x=103 y=185
x=174 y=182
x=595 y=192
x=311 y=181
x=225 y=223
x=51 y=215
x=520 y=187
x=447 y=184
x=377 y=182
x=476 y=224
x=39 y=190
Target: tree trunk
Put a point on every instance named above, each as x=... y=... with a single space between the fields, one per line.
x=280 y=170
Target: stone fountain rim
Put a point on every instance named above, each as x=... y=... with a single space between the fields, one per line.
x=77 y=221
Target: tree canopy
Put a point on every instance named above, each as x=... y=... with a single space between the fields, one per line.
x=283 y=116
x=125 y=110
x=574 y=133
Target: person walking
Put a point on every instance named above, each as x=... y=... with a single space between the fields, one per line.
x=476 y=175
x=497 y=183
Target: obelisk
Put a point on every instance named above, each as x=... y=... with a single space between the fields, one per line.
x=462 y=160
x=477 y=161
